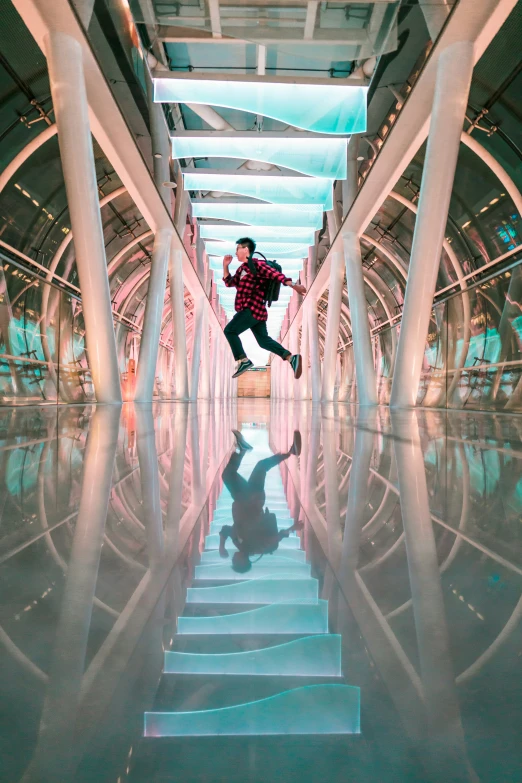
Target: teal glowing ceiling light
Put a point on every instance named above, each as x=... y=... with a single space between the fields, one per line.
x=312 y=709
x=333 y=106
x=274 y=619
x=275 y=189
x=316 y=156
x=269 y=249
x=307 y=215
x=311 y=656
x=258 y=591
x=287 y=234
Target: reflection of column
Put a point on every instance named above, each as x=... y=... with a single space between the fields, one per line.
x=54 y=756
x=358 y=490
x=333 y=320
x=65 y=63
x=331 y=486
x=196 y=485
x=150 y=486
x=177 y=469
x=313 y=457
x=438 y=679
x=362 y=344
x=455 y=66
x=150 y=337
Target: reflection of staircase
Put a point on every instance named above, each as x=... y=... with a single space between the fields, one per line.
x=252 y=657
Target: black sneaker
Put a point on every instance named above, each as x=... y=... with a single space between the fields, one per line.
x=297 y=365
x=241 y=442
x=245 y=365
x=297 y=444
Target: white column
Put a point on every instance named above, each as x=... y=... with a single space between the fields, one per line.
x=150 y=337
x=305 y=353
x=313 y=342
x=65 y=63
x=199 y=317
x=454 y=72
x=179 y=335
x=333 y=321
x=362 y=344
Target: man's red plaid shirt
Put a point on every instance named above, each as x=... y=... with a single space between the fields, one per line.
x=251 y=288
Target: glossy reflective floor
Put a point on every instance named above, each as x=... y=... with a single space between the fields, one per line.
x=367 y=627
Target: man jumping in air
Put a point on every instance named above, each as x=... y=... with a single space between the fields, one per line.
x=251 y=280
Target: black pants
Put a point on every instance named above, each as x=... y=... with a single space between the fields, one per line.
x=245 y=320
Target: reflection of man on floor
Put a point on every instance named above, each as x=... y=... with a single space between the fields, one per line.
x=254 y=531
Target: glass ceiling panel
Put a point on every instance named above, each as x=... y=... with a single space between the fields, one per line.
x=316 y=157
x=303 y=236
x=274 y=189
x=334 y=106
x=269 y=249
x=260 y=214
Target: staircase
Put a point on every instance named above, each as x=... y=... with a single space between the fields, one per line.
x=252 y=668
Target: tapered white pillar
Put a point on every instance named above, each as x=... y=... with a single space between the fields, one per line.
x=179 y=335
x=362 y=344
x=54 y=757
x=454 y=72
x=150 y=337
x=65 y=63
x=333 y=321
x=313 y=342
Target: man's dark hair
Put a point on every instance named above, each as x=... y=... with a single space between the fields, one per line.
x=248 y=243
x=241 y=563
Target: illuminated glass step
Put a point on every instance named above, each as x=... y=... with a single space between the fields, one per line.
x=311 y=656
x=296 y=555
x=274 y=619
x=226 y=514
x=257 y=591
x=282 y=524
x=279 y=502
x=313 y=709
x=266 y=568
x=212 y=542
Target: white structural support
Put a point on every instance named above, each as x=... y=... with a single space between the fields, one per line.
x=313 y=342
x=454 y=72
x=65 y=61
x=333 y=321
x=197 y=336
x=362 y=344
x=150 y=337
x=179 y=337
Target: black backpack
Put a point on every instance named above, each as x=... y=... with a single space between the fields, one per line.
x=273 y=287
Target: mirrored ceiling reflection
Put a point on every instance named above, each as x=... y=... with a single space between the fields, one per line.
x=259 y=591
